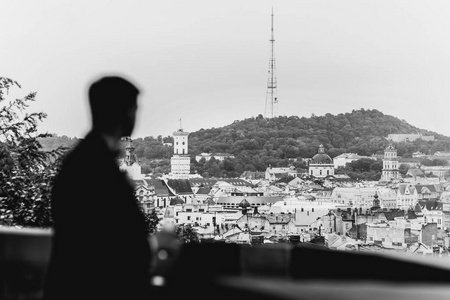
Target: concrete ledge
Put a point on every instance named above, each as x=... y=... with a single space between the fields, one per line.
x=271 y=260
x=24 y=255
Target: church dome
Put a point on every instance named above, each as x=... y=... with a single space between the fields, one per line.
x=321 y=157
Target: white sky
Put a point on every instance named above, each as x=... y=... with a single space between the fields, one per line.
x=207 y=61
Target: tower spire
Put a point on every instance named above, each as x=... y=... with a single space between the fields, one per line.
x=271 y=95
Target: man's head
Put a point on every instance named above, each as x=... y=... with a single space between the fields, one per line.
x=113 y=102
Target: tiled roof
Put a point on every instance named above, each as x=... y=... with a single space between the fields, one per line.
x=250 y=199
x=210 y=182
x=391 y=215
x=417 y=208
x=433 y=205
x=161 y=189
x=237 y=181
x=203 y=191
x=180 y=186
x=176 y=200
x=402 y=188
x=423 y=188
x=202 y=182
x=209 y=201
x=415 y=172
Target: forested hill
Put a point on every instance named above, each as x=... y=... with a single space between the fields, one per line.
x=257 y=142
x=361 y=131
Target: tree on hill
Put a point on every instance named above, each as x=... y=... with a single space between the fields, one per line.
x=434 y=162
x=26 y=171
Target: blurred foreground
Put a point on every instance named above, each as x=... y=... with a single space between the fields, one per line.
x=222 y=271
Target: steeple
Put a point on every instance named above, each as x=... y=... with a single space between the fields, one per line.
x=130 y=158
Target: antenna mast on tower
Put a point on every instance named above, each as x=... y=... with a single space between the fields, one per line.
x=271 y=95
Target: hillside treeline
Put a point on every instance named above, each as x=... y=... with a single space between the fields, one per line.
x=282 y=141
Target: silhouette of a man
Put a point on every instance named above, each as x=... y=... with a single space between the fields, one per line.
x=100 y=246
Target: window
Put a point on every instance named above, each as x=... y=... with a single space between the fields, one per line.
x=189 y=218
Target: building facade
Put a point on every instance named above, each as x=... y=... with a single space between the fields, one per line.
x=345 y=158
x=180 y=163
x=321 y=165
x=390 y=164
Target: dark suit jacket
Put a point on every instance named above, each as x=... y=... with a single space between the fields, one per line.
x=100 y=246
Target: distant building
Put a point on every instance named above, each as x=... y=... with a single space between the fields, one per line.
x=354 y=196
x=321 y=164
x=345 y=158
x=254 y=201
x=442 y=153
x=415 y=172
x=130 y=163
x=162 y=194
x=438 y=171
x=273 y=174
x=393 y=234
x=390 y=164
x=407 y=196
x=388 y=197
x=427 y=191
x=433 y=213
x=418 y=154
x=180 y=163
x=400 y=137
x=411 y=162
x=217 y=156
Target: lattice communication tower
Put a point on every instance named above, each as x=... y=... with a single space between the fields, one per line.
x=271 y=95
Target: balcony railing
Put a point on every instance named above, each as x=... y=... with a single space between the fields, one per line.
x=232 y=271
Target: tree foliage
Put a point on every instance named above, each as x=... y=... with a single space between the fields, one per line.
x=152 y=220
x=26 y=171
x=187 y=234
x=434 y=162
x=364 y=169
